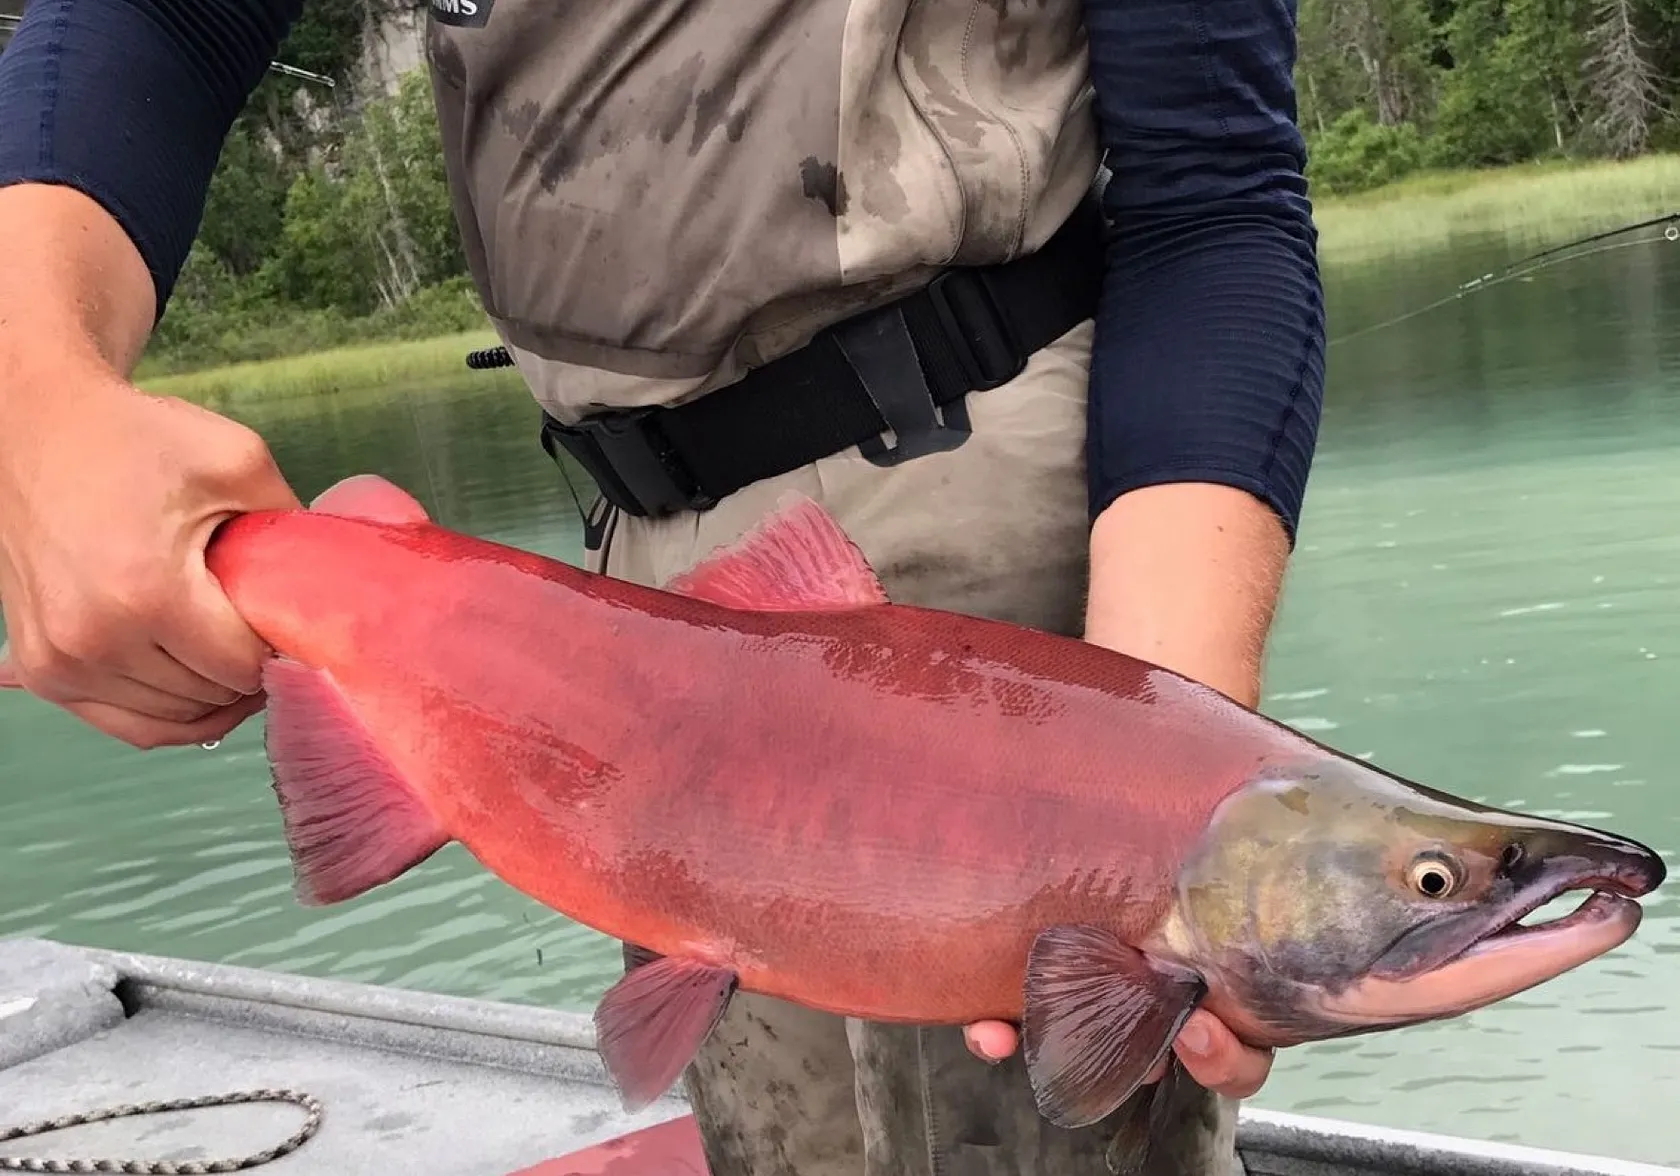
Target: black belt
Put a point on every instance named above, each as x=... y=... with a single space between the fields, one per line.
x=891 y=368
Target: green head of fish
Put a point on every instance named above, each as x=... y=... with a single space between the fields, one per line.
x=1328 y=898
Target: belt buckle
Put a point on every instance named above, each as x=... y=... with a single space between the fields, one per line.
x=985 y=344
x=632 y=463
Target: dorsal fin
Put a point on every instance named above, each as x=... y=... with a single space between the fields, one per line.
x=798 y=559
x=368 y=496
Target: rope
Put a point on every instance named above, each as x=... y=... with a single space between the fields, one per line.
x=307 y=1103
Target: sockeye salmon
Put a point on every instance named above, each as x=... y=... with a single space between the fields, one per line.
x=770 y=778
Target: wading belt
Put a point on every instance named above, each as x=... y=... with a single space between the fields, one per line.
x=903 y=367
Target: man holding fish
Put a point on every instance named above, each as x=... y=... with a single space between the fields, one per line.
x=846 y=248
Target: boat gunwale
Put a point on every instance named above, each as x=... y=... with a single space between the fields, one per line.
x=561 y=1042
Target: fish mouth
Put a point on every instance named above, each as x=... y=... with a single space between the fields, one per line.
x=1605 y=902
x=1474 y=959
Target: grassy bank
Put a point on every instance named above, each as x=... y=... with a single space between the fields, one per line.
x=1532 y=205
x=298 y=379
x=243 y=328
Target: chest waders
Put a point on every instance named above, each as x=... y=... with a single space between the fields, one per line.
x=844 y=247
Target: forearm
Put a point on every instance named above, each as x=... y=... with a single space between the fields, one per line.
x=112 y=117
x=1206 y=388
x=1187 y=575
x=74 y=288
x=1208 y=364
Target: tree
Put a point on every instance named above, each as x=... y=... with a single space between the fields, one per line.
x=1624 y=87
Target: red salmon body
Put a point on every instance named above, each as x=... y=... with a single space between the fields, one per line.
x=867 y=808
x=769 y=777
x=766 y=776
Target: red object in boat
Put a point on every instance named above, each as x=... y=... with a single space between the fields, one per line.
x=670 y=1149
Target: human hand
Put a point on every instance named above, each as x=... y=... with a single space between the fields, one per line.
x=1209 y=1051
x=1185 y=575
x=104 y=517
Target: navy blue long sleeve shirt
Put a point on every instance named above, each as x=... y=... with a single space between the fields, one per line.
x=1208 y=359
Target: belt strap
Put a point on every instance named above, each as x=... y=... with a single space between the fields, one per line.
x=891 y=368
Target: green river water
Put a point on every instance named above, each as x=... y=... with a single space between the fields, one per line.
x=1486 y=597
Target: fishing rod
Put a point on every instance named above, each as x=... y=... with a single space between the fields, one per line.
x=1532 y=264
x=10 y=21
x=293 y=71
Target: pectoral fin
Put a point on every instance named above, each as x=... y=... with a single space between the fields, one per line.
x=650 y=1024
x=1099 y=1014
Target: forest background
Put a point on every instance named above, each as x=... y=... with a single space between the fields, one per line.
x=328 y=222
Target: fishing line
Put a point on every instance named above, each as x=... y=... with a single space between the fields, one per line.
x=1532 y=264
x=1606 y=241
x=489 y=358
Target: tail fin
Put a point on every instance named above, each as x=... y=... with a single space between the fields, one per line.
x=368 y=496
x=352 y=822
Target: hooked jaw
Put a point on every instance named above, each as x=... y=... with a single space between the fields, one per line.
x=1329 y=898
x=1465 y=962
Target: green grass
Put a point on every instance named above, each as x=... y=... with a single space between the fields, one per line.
x=297 y=380
x=242 y=327
x=1531 y=205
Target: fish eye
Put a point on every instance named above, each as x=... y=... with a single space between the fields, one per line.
x=1433 y=876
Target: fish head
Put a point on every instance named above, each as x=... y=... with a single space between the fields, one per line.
x=1329 y=898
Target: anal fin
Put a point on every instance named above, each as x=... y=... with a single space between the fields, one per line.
x=650 y=1024
x=1099 y=1014
x=796 y=560
x=351 y=821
